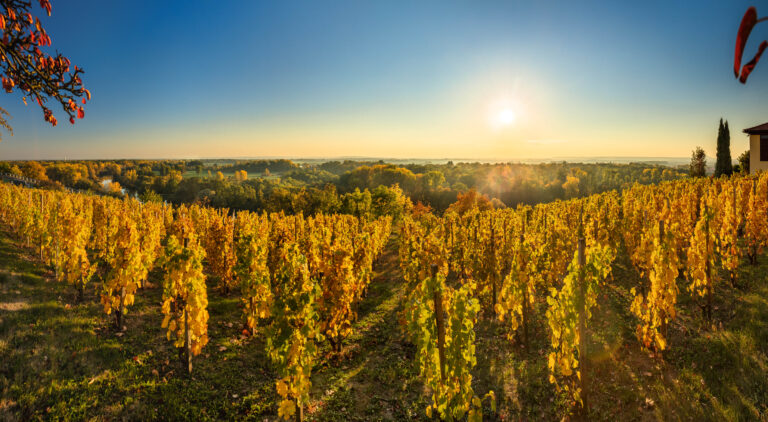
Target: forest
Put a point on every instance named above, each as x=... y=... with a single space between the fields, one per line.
x=352 y=187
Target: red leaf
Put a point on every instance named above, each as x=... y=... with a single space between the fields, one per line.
x=72 y=120
x=8 y=84
x=747 y=23
x=46 y=4
x=747 y=69
x=80 y=113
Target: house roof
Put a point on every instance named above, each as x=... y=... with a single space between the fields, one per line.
x=758 y=130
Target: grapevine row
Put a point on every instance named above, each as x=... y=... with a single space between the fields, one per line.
x=300 y=279
x=508 y=260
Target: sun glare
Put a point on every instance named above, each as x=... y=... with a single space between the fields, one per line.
x=506 y=117
x=502 y=117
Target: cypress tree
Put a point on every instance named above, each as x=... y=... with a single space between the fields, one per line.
x=728 y=166
x=723 y=165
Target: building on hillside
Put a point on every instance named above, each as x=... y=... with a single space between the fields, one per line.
x=758 y=147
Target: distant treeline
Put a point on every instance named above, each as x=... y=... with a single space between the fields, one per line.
x=338 y=186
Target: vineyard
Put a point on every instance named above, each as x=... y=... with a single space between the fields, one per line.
x=645 y=303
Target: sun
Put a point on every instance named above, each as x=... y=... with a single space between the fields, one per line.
x=505 y=117
x=502 y=116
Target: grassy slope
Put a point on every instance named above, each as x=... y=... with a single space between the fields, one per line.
x=62 y=360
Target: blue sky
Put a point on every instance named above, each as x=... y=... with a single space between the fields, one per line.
x=423 y=79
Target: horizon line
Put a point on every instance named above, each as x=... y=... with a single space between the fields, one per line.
x=371 y=158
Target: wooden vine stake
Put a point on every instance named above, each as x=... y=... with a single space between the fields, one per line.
x=525 y=295
x=753 y=250
x=438 y=300
x=494 y=275
x=29 y=201
x=42 y=213
x=732 y=274
x=661 y=240
x=187 y=340
x=299 y=412
x=583 y=335
x=119 y=312
x=708 y=268
x=56 y=233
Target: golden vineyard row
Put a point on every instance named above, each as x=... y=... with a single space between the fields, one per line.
x=299 y=279
x=677 y=234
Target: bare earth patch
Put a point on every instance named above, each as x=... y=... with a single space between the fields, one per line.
x=13 y=306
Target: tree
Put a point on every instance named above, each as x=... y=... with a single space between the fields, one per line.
x=723 y=165
x=432 y=180
x=357 y=203
x=390 y=201
x=150 y=196
x=744 y=161
x=698 y=163
x=571 y=186
x=470 y=200
x=40 y=76
x=34 y=170
x=114 y=188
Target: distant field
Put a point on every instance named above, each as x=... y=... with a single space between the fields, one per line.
x=204 y=174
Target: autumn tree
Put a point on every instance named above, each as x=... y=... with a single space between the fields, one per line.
x=114 y=188
x=390 y=201
x=41 y=77
x=698 y=164
x=470 y=200
x=34 y=170
x=744 y=162
x=571 y=186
